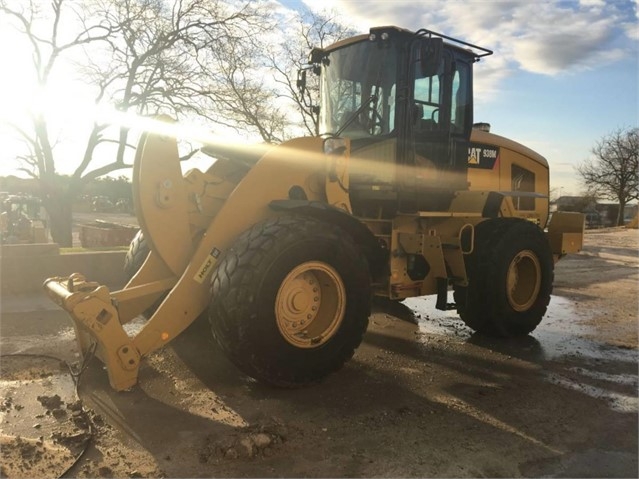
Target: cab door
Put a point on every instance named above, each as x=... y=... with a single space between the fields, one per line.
x=438 y=129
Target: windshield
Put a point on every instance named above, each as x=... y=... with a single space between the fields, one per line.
x=358 y=91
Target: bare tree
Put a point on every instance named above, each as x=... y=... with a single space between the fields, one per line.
x=312 y=30
x=142 y=56
x=259 y=87
x=613 y=172
x=47 y=49
x=246 y=98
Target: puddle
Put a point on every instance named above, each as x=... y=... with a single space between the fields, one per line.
x=626 y=380
x=433 y=321
x=560 y=334
x=617 y=401
x=42 y=425
x=64 y=340
x=560 y=344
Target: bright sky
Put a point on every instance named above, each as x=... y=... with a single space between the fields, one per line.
x=564 y=73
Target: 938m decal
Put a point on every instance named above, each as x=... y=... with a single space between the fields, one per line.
x=482 y=156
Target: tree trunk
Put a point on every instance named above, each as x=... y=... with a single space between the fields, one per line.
x=61 y=220
x=622 y=207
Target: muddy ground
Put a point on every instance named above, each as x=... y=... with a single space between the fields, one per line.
x=423 y=396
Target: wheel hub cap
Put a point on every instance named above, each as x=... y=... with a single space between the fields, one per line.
x=310 y=304
x=523 y=280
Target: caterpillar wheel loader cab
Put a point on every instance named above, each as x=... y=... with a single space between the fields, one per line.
x=284 y=247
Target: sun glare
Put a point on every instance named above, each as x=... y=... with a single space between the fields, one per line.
x=68 y=106
x=16 y=86
x=65 y=102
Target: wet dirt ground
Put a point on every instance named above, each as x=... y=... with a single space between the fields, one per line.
x=422 y=397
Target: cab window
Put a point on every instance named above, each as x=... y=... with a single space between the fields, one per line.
x=460 y=102
x=427 y=95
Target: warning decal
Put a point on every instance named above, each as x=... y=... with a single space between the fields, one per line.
x=207 y=266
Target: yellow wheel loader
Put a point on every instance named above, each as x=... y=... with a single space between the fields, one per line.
x=283 y=248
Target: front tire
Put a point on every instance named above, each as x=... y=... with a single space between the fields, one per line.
x=290 y=300
x=510 y=276
x=136 y=255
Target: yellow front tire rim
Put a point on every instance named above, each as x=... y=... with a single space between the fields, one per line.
x=523 y=281
x=310 y=304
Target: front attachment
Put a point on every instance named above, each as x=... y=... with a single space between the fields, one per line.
x=98 y=326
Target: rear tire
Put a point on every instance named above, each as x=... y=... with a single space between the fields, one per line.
x=510 y=276
x=136 y=256
x=290 y=301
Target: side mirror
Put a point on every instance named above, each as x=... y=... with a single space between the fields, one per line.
x=316 y=56
x=430 y=56
x=301 y=80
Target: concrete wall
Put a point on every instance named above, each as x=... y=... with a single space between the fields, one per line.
x=23 y=268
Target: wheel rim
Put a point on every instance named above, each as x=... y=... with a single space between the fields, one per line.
x=310 y=304
x=523 y=280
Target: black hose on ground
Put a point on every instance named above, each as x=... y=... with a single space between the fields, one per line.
x=75 y=376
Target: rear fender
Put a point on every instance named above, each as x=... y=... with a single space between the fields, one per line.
x=566 y=233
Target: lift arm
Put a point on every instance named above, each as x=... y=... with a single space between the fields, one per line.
x=189 y=221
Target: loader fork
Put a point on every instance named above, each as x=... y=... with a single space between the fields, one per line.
x=98 y=314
